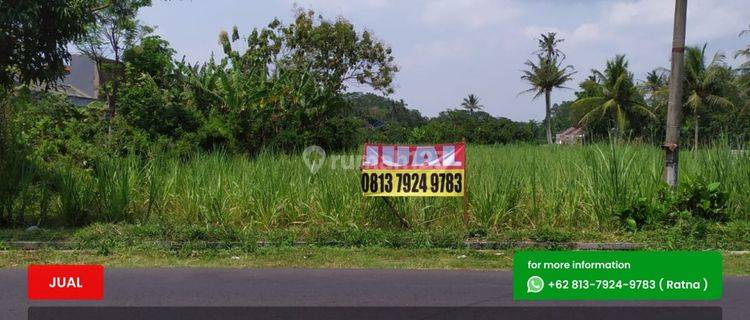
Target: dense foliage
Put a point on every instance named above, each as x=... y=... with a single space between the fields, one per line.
x=215 y=142
x=613 y=96
x=391 y=121
x=34 y=36
x=613 y=102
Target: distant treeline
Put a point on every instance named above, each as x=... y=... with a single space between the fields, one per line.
x=388 y=120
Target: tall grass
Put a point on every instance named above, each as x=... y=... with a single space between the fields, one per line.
x=511 y=186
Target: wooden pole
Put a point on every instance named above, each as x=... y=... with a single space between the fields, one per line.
x=671 y=144
x=467 y=217
x=402 y=221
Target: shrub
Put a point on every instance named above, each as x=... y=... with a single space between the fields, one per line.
x=639 y=214
x=147 y=107
x=705 y=201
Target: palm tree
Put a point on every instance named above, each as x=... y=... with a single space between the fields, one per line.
x=616 y=96
x=655 y=81
x=704 y=83
x=548 y=45
x=655 y=86
x=543 y=76
x=745 y=66
x=471 y=103
x=744 y=69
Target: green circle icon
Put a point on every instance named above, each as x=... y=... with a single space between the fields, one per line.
x=535 y=284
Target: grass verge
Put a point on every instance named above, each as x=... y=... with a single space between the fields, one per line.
x=297 y=257
x=280 y=257
x=684 y=236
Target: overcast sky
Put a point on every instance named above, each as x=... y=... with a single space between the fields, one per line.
x=447 y=49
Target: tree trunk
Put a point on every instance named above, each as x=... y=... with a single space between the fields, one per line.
x=111 y=102
x=547 y=116
x=671 y=141
x=695 y=129
x=115 y=85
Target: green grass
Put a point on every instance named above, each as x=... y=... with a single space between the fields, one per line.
x=688 y=235
x=297 y=257
x=286 y=257
x=516 y=192
x=571 y=190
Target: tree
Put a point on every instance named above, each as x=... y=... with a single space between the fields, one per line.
x=745 y=52
x=548 y=73
x=548 y=45
x=615 y=96
x=479 y=127
x=285 y=89
x=152 y=56
x=656 y=94
x=655 y=87
x=744 y=69
x=333 y=51
x=33 y=49
x=34 y=36
x=705 y=83
x=471 y=103
x=115 y=28
x=151 y=98
x=543 y=76
x=562 y=116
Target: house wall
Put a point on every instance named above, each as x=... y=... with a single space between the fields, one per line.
x=83 y=75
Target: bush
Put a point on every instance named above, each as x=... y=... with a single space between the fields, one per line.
x=147 y=107
x=639 y=214
x=695 y=200
x=215 y=134
x=705 y=201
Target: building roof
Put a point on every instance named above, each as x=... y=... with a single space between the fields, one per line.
x=81 y=80
x=65 y=89
x=572 y=131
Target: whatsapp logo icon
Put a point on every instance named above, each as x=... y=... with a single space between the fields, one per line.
x=535 y=284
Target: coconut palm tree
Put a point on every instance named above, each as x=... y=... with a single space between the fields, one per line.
x=617 y=96
x=548 y=45
x=745 y=52
x=655 y=87
x=744 y=69
x=471 y=103
x=543 y=76
x=655 y=81
x=705 y=83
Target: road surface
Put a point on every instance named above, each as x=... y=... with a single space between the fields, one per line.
x=320 y=287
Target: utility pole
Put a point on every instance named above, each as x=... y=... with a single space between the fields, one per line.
x=674 y=107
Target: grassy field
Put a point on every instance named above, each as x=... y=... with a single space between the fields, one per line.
x=543 y=193
x=517 y=193
x=510 y=186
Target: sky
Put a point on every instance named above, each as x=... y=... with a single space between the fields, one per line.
x=447 y=49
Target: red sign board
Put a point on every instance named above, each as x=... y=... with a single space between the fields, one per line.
x=65 y=282
x=412 y=157
x=413 y=171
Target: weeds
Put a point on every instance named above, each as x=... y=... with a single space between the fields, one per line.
x=599 y=187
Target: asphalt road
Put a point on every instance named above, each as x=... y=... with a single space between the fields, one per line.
x=301 y=287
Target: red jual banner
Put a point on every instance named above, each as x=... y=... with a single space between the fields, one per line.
x=408 y=170
x=65 y=282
